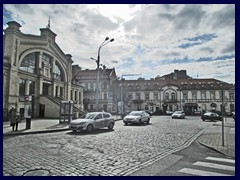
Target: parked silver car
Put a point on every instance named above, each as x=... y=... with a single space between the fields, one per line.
x=91 y=121
x=137 y=117
x=178 y=114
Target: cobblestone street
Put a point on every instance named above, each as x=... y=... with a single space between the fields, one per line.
x=101 y=153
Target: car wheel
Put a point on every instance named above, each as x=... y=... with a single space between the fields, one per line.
x=203 y=119
x=126 y=123
x=90 y=128
x=110 y=126
x=140 y=121
x=148 y=121
x=74 y=131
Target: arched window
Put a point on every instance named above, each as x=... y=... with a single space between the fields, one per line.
x=58 y=73
x=29 y=63
x=47 y=60
x=213 y=105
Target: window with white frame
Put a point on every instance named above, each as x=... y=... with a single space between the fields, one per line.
x=220 y=94
x=203 y=95
x=185 y=95
x=166 y=97
x=147 y=96
x=231 y=95
x=194 y=95
x=173 y=96
x=138 y=96
x=130 y=97
x=212 y=95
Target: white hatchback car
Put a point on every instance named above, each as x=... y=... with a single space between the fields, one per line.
x=91 y=121
x=137 y=117
x=178 y=114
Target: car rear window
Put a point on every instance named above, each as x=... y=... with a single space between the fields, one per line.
x=178 y=112
x=135 y=113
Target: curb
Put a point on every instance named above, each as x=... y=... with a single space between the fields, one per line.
x=39 y=131
x=34 y=132
x=214 y=149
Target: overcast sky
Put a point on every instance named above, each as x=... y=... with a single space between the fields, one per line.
x=151 y=39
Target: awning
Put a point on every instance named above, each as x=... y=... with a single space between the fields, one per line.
x=213 y=105
x=191 y=104
x=164 y=105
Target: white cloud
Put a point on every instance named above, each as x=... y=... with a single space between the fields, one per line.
x=143 y=33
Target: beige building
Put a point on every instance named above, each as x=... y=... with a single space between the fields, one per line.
x=176 y=91
x=35 y=65
x=88 y=79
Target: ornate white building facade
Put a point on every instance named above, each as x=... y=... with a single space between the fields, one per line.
x=176 y=93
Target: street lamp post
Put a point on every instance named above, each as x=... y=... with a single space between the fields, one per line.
x=122 y=89
x=222 y=115
x=106 y=41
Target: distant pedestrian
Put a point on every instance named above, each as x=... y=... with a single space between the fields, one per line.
x=14 y=118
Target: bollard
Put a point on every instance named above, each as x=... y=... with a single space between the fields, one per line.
x=28 y=123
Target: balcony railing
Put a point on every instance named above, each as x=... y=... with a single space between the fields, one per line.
x=93 y=101
x=137 y=101
x=170 y=101
x=206 y=100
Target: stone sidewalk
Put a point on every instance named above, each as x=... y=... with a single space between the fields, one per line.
x=39 y=126
x=211 y=138
x=36 y=126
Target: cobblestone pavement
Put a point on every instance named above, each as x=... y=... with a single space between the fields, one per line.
x=101 y=153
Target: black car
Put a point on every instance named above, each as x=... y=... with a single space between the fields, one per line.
x=211 y=116
x=149 y=112
x=124 y=114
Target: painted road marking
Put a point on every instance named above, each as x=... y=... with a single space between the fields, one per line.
x=215 y=166
x=201 y=172
x=195 y=171
x=221 y=159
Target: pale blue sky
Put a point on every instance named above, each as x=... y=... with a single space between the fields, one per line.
x=151 y=39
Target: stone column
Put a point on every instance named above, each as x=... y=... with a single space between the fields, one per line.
x=40 y=86
x=59 y=91
x=27 y=87
x=53 y=68
x=77 y=96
